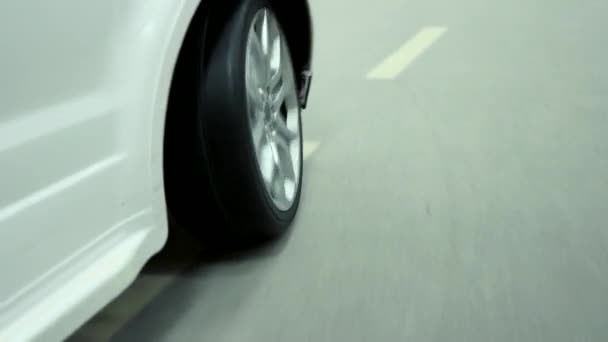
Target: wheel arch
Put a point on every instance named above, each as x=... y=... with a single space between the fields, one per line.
x=173 y=35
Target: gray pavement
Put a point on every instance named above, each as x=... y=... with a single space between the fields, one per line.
x=464 y=200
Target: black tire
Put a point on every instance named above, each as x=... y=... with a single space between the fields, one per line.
x=213 y=184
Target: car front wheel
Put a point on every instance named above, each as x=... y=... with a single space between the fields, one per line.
x=238 y=172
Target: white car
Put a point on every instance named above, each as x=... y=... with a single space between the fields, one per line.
x=115 y=115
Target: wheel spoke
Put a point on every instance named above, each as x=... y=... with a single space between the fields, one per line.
x=286 y=164
x=258 y=128
x=264 y=33
x=283 y=134
x=276 y=75
x=279 y=92
x=278 y=190
x=274 y=60
x=266 y=159
x=283 y=171
x=258 y=67
x=276 y=98
x=282 y=146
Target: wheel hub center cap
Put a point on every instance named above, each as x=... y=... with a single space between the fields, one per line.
x=269 y=110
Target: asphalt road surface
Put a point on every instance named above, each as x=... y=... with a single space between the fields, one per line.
x=456 y=189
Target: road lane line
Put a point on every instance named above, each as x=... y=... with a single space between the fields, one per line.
x=394 y=64
x=309 y=148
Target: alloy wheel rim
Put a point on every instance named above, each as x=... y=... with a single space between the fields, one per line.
x=273 y=109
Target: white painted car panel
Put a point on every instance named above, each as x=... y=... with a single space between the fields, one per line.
x=83 y=94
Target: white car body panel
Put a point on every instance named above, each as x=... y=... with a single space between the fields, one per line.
x=83 y=93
